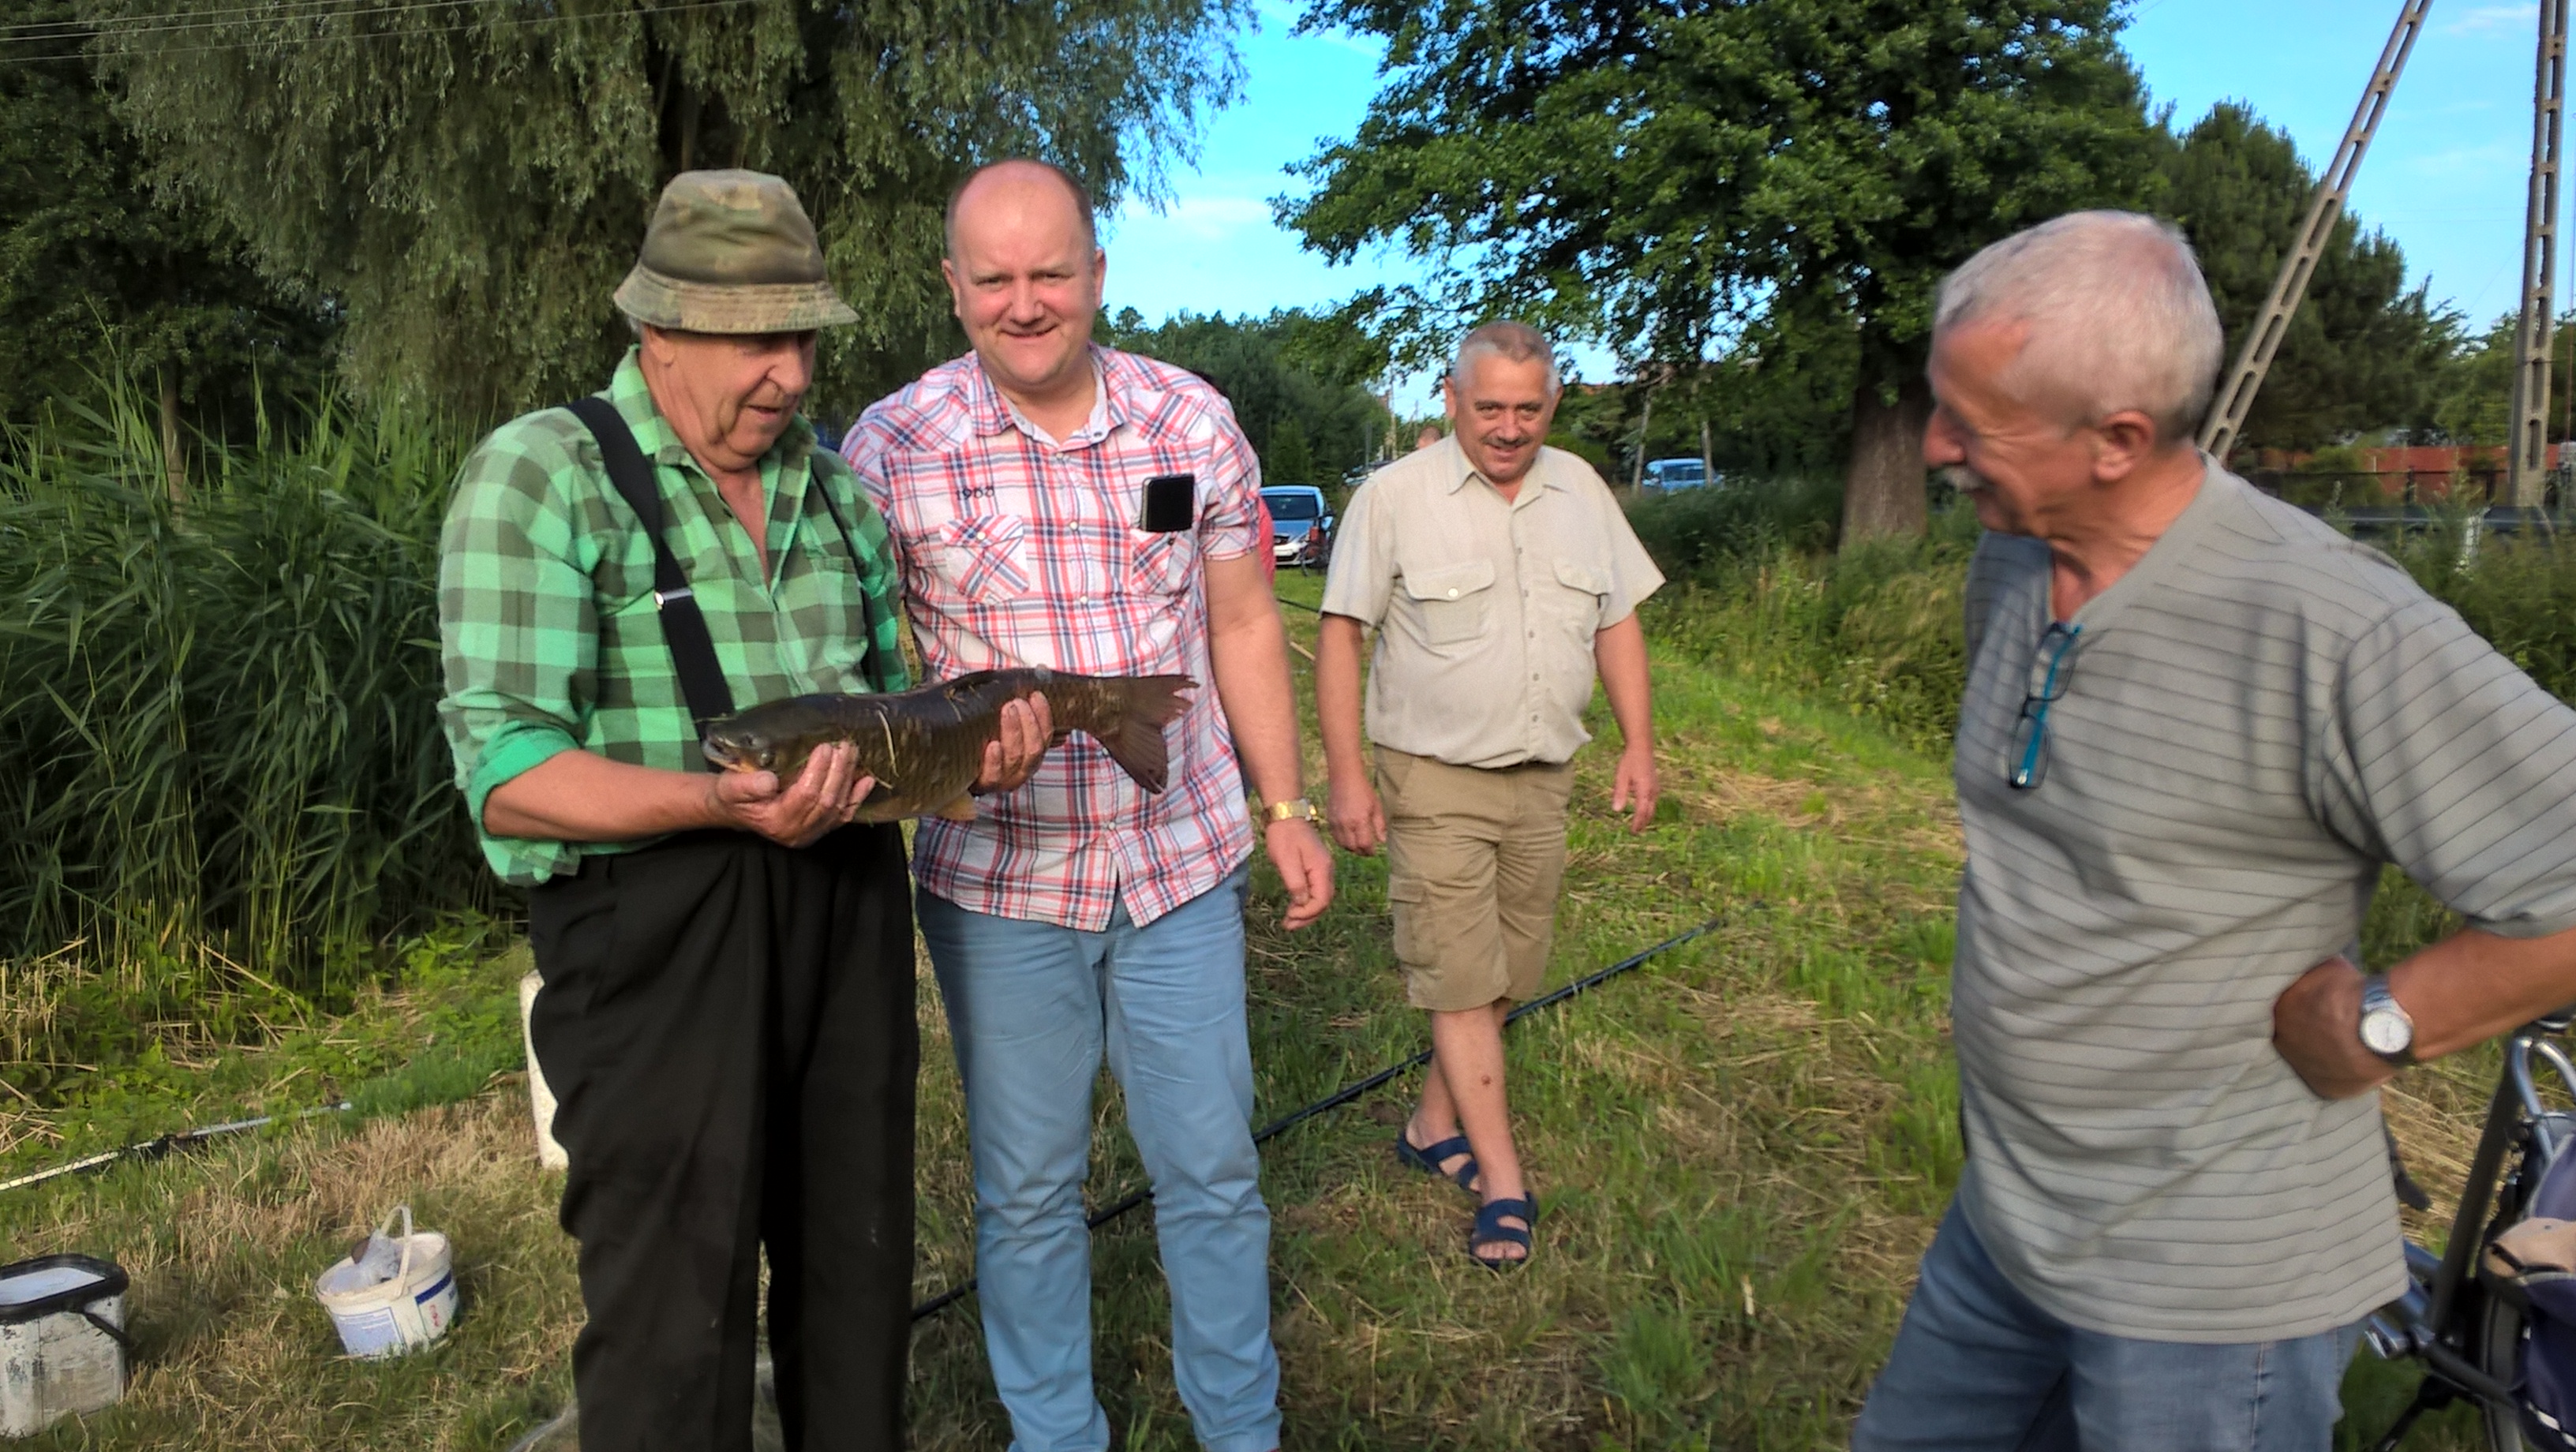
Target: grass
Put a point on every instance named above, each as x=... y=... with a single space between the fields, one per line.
x=1740 y=1149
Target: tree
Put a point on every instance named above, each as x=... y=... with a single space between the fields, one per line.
x=1290 y=460
x=1308 y=426
x=97 y=276
x=2363 y=350
x=1680 y=181
x=471 y=179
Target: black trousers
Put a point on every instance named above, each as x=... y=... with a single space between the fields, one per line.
x=728 y=1028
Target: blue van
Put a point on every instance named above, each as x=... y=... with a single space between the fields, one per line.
x=1664 y=474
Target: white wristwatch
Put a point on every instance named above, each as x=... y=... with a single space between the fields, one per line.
x=2386 y=1030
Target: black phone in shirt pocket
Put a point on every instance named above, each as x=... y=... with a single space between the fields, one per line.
x=1171 y=504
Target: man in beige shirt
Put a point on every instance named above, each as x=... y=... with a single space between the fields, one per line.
x=1501 y=575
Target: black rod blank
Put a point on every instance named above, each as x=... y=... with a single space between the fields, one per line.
x=1349 y=1092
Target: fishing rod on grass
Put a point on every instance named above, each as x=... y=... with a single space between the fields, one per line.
x=153 y=1149
x=1351 y=1091
x=158 y=1147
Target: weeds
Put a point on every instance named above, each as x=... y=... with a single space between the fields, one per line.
x=225 y=783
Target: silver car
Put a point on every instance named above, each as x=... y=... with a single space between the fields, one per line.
x=1301 y=525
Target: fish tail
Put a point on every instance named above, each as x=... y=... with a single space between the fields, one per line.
x=1136 y=709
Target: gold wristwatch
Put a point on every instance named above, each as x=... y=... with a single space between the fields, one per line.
x=1299 y=810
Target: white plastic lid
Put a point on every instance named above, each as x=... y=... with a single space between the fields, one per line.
x=43 y=1281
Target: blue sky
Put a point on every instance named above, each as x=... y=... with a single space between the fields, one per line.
x=2445 y=176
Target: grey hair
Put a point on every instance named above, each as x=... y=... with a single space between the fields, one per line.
x=1518 y=342
x=2119 y=317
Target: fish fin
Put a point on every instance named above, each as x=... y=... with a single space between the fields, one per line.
x=1135 y=739
x=960 y=810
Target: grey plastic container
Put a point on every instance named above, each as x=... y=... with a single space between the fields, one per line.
x=62 y=1340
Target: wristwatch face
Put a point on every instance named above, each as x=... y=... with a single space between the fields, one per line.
x=2385 y=1032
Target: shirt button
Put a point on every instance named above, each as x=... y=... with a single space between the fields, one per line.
x=1453 y=594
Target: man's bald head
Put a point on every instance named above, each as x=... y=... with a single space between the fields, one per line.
x=1015 y=185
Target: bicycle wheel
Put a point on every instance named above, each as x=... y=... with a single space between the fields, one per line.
x=2499 y=1342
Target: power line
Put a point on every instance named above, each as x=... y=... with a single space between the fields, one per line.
x=177 y=19
x=379 y=35
x=286 y=13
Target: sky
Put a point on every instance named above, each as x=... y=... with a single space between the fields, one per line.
x=2445 y=175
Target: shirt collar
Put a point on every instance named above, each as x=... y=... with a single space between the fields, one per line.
x=1457 y=471
x=660 y=443
x=993 y=413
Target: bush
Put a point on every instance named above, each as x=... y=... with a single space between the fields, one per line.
x=1878 y=629
x=1690 y=531
x=217 y=714
x=2518 y=592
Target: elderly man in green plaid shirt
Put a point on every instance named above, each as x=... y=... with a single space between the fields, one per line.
x=727 y=1016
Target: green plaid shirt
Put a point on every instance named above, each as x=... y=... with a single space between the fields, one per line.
x=547 y=627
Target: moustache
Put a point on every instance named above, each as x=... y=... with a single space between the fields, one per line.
x=1963 y=478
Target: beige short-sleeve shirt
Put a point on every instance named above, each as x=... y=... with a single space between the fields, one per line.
x=1485 y=609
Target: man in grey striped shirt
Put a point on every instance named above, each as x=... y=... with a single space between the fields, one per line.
x=2197 y=722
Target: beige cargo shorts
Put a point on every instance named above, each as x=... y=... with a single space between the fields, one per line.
x=1473 y=862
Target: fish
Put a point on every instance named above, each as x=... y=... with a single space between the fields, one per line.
x=925 y=747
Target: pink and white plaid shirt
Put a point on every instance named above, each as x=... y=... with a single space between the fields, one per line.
x=1020 y=550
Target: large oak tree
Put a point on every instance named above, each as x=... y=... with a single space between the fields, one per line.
x=1684 y=179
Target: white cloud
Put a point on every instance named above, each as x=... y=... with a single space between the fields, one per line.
x=2487 y=19
x=1204 y=218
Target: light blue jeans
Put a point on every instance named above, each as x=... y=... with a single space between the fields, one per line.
x=1031 y=1007
x=1977 y=1367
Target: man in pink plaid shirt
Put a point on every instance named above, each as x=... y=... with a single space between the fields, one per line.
x=1078 y=914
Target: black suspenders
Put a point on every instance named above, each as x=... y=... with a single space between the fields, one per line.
x=693 y=652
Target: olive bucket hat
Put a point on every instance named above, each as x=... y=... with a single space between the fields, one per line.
x=731 y=252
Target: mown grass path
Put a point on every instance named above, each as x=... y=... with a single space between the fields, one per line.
x=1739 y=1149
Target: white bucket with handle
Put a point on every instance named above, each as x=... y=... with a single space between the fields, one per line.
x=394 y=1293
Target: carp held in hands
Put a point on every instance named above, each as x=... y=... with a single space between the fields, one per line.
x=926 y=747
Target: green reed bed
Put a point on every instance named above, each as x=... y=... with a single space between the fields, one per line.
x=222 y=786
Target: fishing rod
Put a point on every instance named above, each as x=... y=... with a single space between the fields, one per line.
x=153 y=1149
x=1351 y=1091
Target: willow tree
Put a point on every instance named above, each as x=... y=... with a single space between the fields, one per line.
x=99 y=279
x=1748 y=177
x=469 y=180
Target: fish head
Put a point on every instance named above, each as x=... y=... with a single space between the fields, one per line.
x=738 y=746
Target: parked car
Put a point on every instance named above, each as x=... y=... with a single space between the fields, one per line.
x=1664 y=474
x=1301 y=525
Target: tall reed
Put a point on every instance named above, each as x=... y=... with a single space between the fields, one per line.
x=219 y=754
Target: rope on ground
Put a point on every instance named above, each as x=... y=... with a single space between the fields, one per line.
x=1351 y=1091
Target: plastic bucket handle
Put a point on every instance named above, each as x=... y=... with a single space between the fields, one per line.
x=402 y=1273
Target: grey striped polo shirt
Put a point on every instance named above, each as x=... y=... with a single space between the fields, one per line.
x=2258 y=715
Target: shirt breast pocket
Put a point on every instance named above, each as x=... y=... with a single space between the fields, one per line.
x=1456 y=601
x=985 y=558
x=1160 y=564
x=1581 y=589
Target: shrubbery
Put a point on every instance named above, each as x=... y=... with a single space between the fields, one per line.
x=1878 y=629
x=220 y=765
